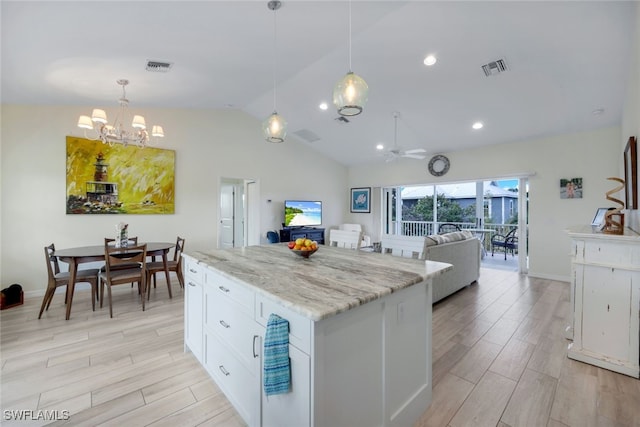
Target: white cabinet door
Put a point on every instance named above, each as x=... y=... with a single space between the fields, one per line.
x=193 y=317
x=290 y=409
x=237 y=381
x=606 y=313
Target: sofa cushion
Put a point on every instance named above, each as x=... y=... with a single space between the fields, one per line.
x=436 y=239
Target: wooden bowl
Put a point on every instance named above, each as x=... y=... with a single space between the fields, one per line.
x=304 y=254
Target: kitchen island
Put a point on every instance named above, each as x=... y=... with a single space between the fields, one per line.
x=359 y=332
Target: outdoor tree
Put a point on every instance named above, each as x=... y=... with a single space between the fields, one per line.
x=448 y=210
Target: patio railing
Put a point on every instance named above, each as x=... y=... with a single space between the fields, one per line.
x=424 y=228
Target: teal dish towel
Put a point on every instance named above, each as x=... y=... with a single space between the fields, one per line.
x=277 y=369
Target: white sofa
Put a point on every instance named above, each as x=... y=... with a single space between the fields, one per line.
x=459 y=248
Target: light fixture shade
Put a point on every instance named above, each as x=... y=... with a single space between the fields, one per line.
x=274 y=128
x=138 y=122
x=99 y=116
x=350 y=94
x=157 y=131
x=85 y=122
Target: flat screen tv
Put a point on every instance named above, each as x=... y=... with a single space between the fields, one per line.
x=302 y=213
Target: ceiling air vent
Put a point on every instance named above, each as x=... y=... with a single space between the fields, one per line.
x=159 y=66
x=495 y=67
x=307 y=135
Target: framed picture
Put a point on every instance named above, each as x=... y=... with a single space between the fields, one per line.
x=631 y=173
x=361 y=200
x=598 y=219
x=105 y=179
x=571 y=188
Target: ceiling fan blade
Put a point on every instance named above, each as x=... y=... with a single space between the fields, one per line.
x=415 y=151
x=413 y=156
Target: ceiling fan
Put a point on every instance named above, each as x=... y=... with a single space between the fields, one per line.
x=397 y=152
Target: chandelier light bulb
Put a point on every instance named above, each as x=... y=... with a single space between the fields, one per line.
x=99 y=116
x=84 y=122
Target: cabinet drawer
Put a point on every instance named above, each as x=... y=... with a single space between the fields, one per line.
x=299 y=326
x=236 y=328
x=614 y=254
x=239 y=385
x=226 y=288
x=193 y=271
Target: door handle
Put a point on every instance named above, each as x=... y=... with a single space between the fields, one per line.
x=224 y=371
x=224 y=324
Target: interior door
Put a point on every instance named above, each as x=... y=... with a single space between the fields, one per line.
x=227 y=207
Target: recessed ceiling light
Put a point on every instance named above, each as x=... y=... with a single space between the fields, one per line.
x=430 y=60
x=323 y=106
x=477 y=125
x=379 y=147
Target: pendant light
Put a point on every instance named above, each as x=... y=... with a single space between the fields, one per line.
x=351 y=92
x=274 y=127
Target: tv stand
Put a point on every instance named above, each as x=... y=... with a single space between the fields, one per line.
x=288 y=234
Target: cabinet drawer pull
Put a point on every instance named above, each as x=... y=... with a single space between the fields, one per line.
x=191 y=284
x=224 y=371
x=193 y=271
x=255 y=337
x=225 y=324
x=223 y=289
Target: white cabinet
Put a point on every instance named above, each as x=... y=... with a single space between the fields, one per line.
x=232 y=343
x=290 y=409
x=193 y=308
x=606 y=301
x=293 y=408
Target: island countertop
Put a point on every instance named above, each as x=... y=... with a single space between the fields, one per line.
x=331 y=281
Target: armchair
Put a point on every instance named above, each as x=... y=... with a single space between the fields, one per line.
x=366 y=240
x=507 y=241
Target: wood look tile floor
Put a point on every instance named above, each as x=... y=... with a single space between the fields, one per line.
x=499 y=359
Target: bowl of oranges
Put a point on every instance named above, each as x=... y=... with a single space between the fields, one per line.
x=303 y=247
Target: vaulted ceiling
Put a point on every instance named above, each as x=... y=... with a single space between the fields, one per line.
x=567 y=65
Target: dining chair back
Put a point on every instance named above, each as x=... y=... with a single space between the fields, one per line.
x=345 y=239
x=174 y=265
x=404 y=246
x=56 y=279
x=448 y=227
x=116 y=273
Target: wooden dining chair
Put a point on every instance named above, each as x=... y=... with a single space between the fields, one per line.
x=174 y=265
x=132 y=241
x=57 y=279
x=115 y=274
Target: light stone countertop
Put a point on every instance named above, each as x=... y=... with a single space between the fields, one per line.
x=331 y=281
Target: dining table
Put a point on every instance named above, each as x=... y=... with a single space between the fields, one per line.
x=84 y=254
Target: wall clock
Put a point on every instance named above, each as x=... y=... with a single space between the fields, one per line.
x=438 y=165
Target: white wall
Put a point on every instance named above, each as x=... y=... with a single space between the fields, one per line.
x=593 y=156
x=631 y=113
x=209 y=144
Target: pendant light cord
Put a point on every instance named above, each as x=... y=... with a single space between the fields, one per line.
x=275 y=41
x=349 y=35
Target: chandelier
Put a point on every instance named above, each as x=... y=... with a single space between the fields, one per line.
x=116 y=132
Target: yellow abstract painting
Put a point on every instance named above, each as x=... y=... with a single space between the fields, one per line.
x=118 y=179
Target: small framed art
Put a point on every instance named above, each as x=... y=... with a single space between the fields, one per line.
x=631 y=174
x=361 y=200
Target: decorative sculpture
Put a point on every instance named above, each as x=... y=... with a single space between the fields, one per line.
x=613 y=219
